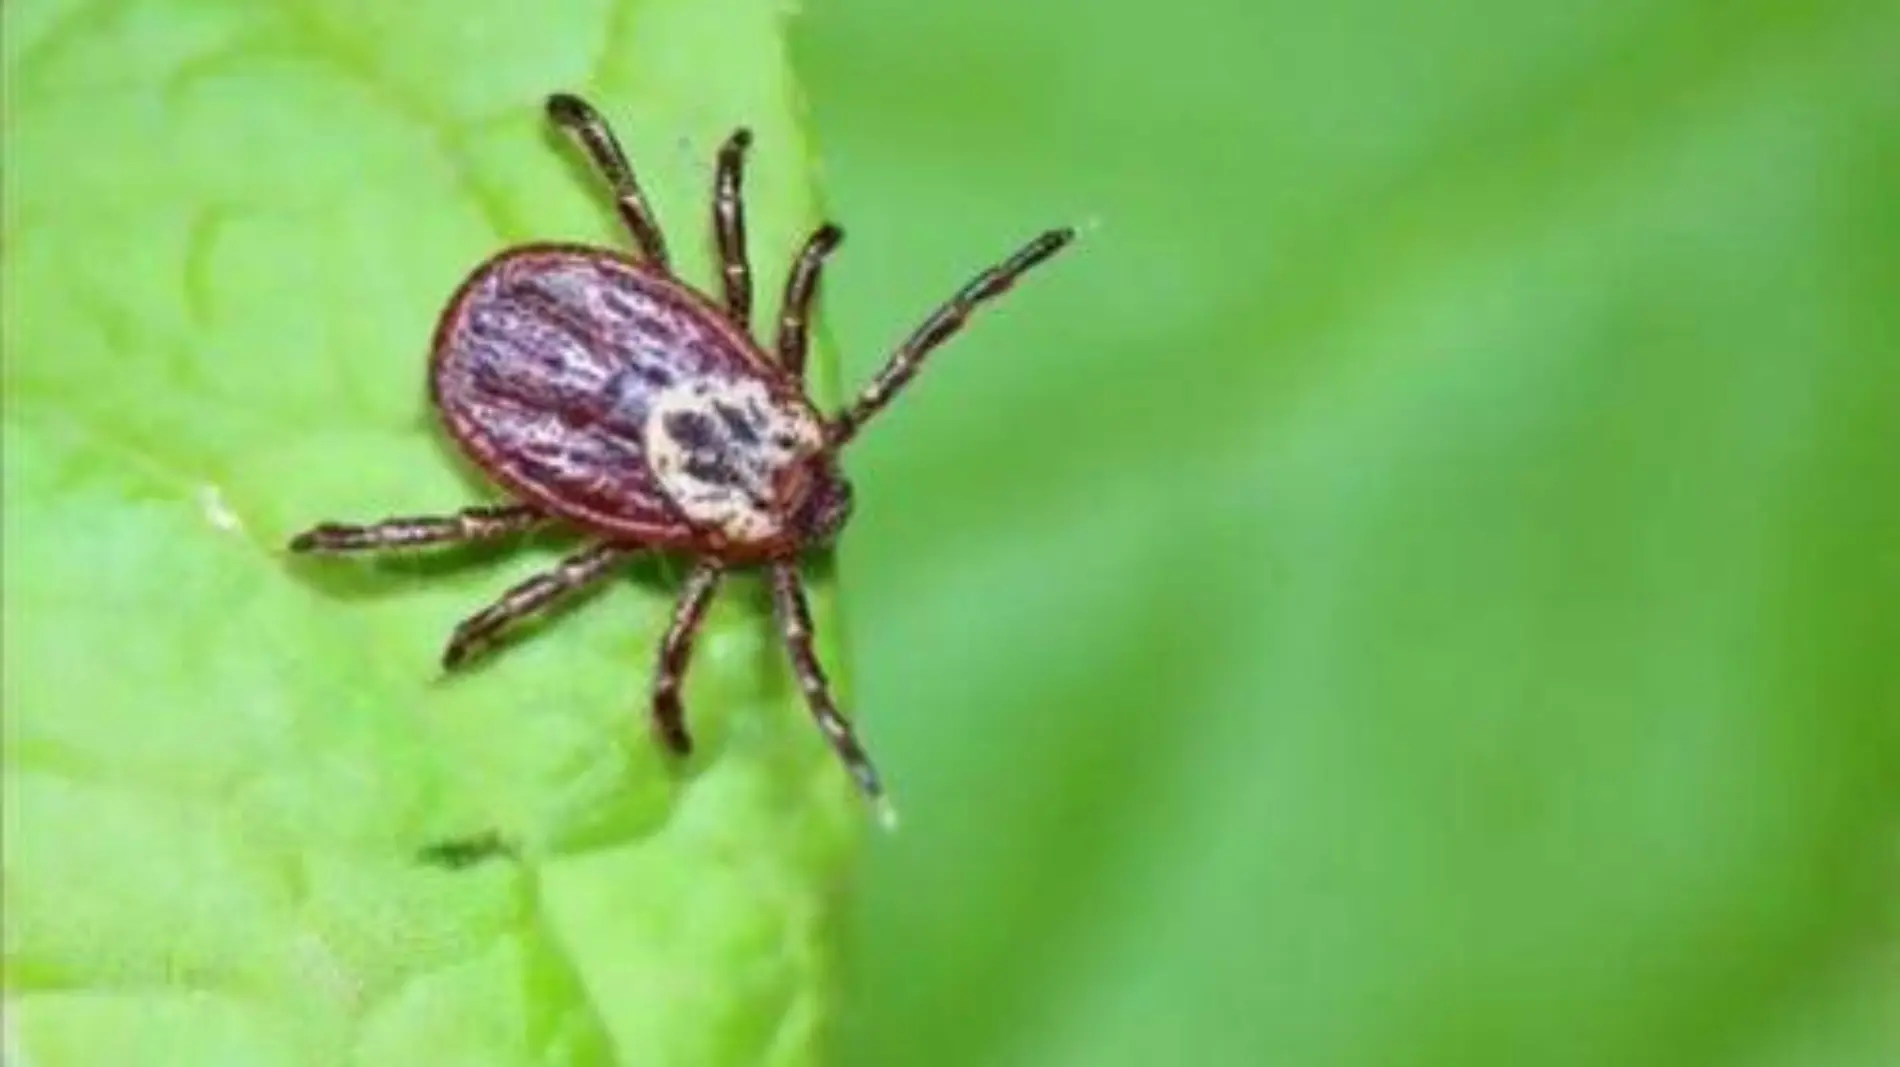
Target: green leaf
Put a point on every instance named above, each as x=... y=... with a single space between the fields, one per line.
x=228 y=229
x=1419 y=583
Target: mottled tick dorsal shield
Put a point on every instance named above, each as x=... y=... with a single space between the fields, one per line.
x=606 y=394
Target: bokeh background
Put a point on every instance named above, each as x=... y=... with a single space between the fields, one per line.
x=1417 y=583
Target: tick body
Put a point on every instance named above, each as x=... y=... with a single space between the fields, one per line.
x=617 y=399
x=606 y=395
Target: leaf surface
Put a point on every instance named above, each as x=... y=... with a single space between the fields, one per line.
x=228 y=230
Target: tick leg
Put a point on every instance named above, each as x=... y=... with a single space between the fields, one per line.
x=579 y=118
x=668 y=717
x=729 y=228
x=936 y=329
x=794 y=619
x=801 y=288
x=469 y=524
x=571 y=575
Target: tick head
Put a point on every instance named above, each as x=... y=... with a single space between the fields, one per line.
x=817 y=519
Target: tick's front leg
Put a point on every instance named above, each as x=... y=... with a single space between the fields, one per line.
x=946 y=320
x=794 y=619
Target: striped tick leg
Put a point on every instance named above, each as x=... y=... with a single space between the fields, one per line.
x=794 y=619
x=676 y=650
x=565 y=578
x=801 y=288
x=729 y=229
x=936 y=329
x=469 y=524
x=579 y=118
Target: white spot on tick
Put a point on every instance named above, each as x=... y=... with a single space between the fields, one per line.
x=718 y=447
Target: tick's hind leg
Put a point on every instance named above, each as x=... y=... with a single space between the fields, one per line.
x=569 y=576
x=579 y=118
x=469 y=524
x=675 y=651
x=729 y=229
x=794 y=619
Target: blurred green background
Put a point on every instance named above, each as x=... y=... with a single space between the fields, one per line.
x=1415 y=585
x=1418 y=583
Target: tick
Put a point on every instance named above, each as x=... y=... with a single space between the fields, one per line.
x=607 y=395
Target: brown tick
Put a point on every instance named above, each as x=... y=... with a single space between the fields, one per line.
x=605 y=393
